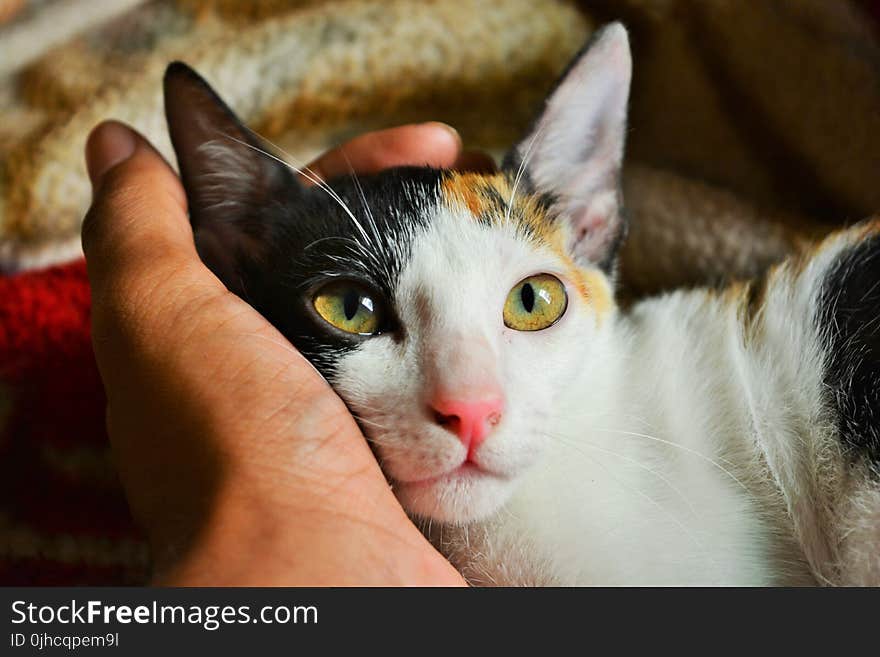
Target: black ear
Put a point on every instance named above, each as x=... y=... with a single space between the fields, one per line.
x=574 y=151
x=228 y=176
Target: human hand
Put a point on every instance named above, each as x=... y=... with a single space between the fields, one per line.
x=237 y=458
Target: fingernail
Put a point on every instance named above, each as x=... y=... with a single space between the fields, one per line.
x=108 y=144
x=448 y=128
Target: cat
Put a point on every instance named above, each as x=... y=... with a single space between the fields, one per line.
x=537 y=433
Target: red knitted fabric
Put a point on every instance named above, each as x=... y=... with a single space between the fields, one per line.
x=63 y=517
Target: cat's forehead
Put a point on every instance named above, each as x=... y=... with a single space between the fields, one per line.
x=502 y=228
x=493 y=200
x=481 y=229
x=371 y=224
x=435 y=225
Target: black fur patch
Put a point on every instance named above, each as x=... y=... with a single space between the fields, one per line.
x=310 y=240
x=849 y=315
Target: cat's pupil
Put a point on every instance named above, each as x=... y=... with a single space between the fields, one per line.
x=350 y=304
x=527 y=296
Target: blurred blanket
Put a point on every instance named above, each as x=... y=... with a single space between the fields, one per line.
x=754 y=128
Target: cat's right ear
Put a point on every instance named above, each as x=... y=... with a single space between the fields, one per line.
x=227 y=173
x=573 y=154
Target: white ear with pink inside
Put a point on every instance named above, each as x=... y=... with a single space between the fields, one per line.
x=574 y=152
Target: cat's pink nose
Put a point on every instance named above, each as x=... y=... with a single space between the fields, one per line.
x=471 y=421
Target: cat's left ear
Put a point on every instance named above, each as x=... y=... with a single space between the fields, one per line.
x=228 y=172
x=574 y=151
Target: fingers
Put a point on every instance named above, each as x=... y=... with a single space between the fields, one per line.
x=429 y=144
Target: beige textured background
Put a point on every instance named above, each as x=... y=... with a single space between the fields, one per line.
x=754 y=125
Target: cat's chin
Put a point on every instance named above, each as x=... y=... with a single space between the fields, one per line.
x=467 y=494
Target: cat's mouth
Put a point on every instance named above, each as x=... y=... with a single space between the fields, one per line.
x=466 y=493
x=468 y=470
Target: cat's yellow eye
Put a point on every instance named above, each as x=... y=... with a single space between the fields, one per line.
x=535 y=303
x=350 y=307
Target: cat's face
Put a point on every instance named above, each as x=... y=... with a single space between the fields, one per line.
x=450 y=311
x=492 y=320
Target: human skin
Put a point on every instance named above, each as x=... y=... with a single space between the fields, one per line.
x=239 y=462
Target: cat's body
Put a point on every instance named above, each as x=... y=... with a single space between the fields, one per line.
x=538 y=434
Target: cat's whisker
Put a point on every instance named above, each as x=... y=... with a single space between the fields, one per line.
x=330 y=238
x=379 y=242
x=360 y=190
x=575 y=445
x=520 y=171
x=313 y=177
x=359 y=400
x=617 y=415
x=691 y=536
x=372 y=423
x=278 y=343
x=683 y=448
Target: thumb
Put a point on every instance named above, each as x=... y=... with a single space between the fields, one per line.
x=108 y=144
x=140 y=254
x=137 y=225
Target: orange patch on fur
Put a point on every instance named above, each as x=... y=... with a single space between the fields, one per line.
x=459 y=189
x=591 y=284
x=481 y=194
x=595 y=289
x=487 y=197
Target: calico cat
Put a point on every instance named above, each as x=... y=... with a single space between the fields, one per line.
x=537 y=433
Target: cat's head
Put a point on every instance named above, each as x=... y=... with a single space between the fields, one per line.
x=451 y=311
